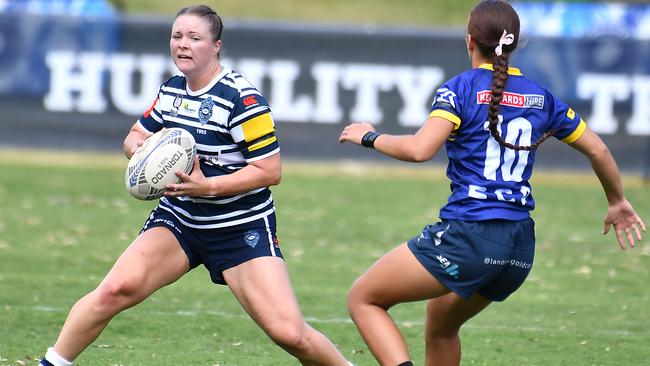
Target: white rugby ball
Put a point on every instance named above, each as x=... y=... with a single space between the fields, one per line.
x=155 y=163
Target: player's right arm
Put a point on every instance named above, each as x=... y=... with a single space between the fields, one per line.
x=150 y=122
x=620 y=212
x=421 y=146
x=445 y=118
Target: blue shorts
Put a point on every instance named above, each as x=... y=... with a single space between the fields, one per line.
x=223 y=248
x=491 y=258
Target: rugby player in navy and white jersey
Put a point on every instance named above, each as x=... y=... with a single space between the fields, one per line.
x=491 y=120
x=221 y=215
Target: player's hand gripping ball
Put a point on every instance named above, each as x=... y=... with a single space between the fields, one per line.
x=155 y=163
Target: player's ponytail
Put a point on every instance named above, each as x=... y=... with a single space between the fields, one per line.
x=494 y=27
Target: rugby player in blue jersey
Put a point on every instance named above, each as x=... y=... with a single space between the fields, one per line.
x=221 y=215
x=491 y=120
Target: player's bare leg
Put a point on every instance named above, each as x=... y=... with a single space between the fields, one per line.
x=396 y=277
x=263 y=288
x=153 y=260
x=445 y=315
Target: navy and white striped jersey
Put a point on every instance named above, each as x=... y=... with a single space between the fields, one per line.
x=489 y=181
x=232 y=125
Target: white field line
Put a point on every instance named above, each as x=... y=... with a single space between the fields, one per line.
x=406 y=323
x=350 y=167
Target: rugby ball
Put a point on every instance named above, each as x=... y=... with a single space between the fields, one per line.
x=155 y=163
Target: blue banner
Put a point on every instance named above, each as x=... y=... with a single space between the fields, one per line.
x=29 y=29
x=584 y=20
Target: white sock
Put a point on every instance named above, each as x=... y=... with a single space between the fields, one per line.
x=56 y=359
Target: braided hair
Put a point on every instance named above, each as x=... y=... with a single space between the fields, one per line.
x=494 y=27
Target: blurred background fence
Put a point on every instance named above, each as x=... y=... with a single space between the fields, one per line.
x=77 y=74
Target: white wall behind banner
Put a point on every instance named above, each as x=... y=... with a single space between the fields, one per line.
x=63 y=90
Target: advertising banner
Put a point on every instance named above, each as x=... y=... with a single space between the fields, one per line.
x=80 y=83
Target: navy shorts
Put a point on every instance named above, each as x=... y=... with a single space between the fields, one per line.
x=491 y=258
x=223 y=248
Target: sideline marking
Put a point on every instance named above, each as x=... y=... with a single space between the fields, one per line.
x=408 y=323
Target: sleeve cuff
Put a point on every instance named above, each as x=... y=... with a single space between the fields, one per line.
x=446 y=115
x=575 y=135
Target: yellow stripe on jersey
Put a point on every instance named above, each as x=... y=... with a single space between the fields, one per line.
x=582 y=126
x=446 y=115
x=261 y=144
x=257 y=127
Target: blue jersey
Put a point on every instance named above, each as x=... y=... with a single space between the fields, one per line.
x=232 y=125
x=489 y=181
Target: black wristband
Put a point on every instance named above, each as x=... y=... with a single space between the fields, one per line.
x=368 y=140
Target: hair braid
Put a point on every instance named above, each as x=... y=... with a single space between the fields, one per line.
x=498 y=86
x=489 y=23
x=499 y=80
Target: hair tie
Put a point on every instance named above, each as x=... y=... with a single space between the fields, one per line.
x=506 y=39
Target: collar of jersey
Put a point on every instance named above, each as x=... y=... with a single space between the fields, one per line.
x=205 y=89
x=511 y=70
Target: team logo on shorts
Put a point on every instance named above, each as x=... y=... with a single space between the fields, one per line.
x=251 y=238
x=451 y=269
x=205 y=111
x=437 y=240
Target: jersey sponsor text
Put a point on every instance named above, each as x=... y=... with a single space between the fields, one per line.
x=513 y=99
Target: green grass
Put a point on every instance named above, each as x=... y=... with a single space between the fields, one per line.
x=430 y=13
x=418 y=13
x=66 y=217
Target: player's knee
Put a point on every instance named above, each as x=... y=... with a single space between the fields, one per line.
x=113 y=296
x=357 y=295
x=354 y=300
x=359 y=298
x=290 y=336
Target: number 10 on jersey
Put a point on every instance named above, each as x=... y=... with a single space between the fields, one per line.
x=512 y=166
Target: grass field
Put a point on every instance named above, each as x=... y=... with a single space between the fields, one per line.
x=428 y=13
x=66 y=217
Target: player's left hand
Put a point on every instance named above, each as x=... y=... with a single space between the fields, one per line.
x=355 y=131
x=626 y=223
x=193 y=184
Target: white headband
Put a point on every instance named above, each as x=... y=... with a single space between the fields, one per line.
x=506 y=39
